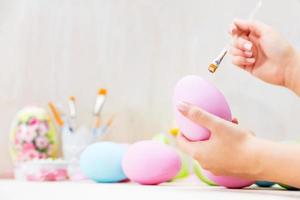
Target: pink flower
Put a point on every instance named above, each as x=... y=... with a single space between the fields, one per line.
x=33 y=130
x=61 y=174
x=48 y=175
x=33 y=154
x=54 y=175
x=43 y=128
x=29 y=155
x=33 y=121
x=41 y=142
x=28 y=147
x=42 y=156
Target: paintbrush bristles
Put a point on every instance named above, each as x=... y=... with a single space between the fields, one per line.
x=72 y=98
x=102 y=91
x=212 y=67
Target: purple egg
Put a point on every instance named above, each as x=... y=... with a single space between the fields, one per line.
x=151 y=162
x=228 y=181
x=198 y=91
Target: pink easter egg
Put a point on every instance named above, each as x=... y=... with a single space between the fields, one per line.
x=198 y=91
x=151 y=162
x=228 y=181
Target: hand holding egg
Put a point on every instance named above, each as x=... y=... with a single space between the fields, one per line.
x=209 y=117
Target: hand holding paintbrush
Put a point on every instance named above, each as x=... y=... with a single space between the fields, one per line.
x=217 y=61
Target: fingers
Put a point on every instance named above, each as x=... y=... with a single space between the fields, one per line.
x=237 y=52
x=199 y=116
x=242 y=44
x=244 y=49
x=234 y=31
x=194 y=149
x=242 y=61
x=243 y=52
x=247 y=27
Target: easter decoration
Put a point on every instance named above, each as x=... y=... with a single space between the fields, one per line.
x=201 y=93
x=32 y=136
x=33 y=147
x=151 y=162
x=101 y=162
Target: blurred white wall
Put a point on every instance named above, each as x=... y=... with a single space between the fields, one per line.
x=51 y=49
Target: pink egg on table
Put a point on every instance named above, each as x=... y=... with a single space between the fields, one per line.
x=200 y=92
x=228 y=181
x=151 y=162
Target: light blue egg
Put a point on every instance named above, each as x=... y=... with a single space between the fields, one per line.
x=101 y=162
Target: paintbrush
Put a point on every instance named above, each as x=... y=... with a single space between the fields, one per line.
x=67 y=126
x=56 y=114
x=103 y=129
x=72 y=107
x=101 y=97
x=72 y=112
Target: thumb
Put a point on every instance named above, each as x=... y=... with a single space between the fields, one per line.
x=250 y=26
x=200 y=116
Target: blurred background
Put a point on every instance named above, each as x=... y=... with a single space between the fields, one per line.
x=137 y=49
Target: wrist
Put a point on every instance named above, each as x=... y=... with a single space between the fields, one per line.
x=255 y=158
x=292 y=73
x=268 y=156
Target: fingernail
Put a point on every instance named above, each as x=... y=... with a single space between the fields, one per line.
x=248 y=53
x=232 y=30
x=182 y=106
x=250 y=60
x=248 y=46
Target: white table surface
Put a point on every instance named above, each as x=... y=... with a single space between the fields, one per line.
x=181 y=190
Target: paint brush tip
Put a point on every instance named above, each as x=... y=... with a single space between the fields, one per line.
x=212 y=67
x=72 y=98
x=102 y=91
